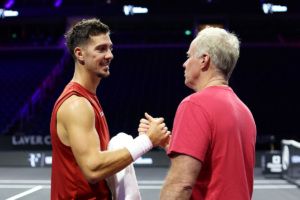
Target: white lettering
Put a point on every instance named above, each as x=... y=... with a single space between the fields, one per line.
x=14 y=141
x=47 y=140
x=39 y=140
x=21 y=141
x=31 y=140
x=26 y=140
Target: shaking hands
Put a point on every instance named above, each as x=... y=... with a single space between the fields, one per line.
x=156 y=130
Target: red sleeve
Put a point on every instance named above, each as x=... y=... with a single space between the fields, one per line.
x=191 y=133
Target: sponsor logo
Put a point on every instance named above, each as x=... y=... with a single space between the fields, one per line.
x=31 y=140
x=34 y=159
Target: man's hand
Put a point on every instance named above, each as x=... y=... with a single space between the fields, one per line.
x=155 y=129
x=143 y=126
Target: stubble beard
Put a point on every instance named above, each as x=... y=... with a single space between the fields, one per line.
x=103 y=75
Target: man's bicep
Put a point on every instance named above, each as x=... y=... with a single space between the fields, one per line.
x=80 y=127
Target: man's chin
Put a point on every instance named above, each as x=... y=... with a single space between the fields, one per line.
x=188 y=84
x=104 y=75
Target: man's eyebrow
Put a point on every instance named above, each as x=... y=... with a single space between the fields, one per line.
x=103 y=45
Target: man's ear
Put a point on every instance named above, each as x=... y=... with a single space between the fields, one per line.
x=79 y=54
x=205 y=60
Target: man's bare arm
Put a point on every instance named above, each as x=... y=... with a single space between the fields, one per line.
x=181 y=178
x=78 y=121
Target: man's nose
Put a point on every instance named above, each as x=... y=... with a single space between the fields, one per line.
x=184 y=64
x=109 y=54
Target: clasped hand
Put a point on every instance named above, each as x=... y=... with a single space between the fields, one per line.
x=156 y=129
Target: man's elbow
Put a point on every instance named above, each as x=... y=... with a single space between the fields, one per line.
x=93 y=174
x=183 y=186
x=176 y=191
x=93 y=177
x=187 y=188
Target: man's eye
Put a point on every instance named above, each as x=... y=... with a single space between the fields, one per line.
x=102 y=49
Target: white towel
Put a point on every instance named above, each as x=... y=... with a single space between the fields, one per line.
x=124 y=184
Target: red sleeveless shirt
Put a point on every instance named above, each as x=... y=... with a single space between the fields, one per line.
x=67 y=180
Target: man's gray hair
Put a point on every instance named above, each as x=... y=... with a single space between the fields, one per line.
x=222 y=46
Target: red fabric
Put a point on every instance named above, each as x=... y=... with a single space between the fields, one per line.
x=67 y=180
x=215 y=127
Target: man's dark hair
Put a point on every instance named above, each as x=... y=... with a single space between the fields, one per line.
x=80 y=33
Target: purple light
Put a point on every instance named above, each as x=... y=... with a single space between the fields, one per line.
x=9 y=4
x=57 y=3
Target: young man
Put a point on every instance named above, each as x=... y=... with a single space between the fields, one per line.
x=79 y=131
x=212 y=147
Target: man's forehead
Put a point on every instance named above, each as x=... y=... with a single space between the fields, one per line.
x=192 y=47
x=97 y=41
x=100 y=39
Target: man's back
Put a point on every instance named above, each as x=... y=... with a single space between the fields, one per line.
x=218 y=129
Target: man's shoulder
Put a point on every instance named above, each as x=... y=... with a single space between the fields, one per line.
x=75 y=100
x=210 y=94
x=75 y=105
x=194 y=98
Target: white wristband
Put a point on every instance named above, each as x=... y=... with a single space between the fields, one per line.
x=139 y=146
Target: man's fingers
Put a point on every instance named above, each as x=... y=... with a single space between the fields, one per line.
x=159 y=120
x=162 y=126
x=149 y=117
x=146 y=126
x=152 y=119
x=144 y=121
x=142 y=130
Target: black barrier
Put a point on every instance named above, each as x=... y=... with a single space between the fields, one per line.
x=291 y=161
x=26 y=158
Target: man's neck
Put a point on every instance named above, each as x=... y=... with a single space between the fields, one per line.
x=88 y=82
x=214 y=81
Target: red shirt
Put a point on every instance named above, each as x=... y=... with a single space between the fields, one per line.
x=215 y=127
x=67 y=180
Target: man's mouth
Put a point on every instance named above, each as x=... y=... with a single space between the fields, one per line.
x=105 y=65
